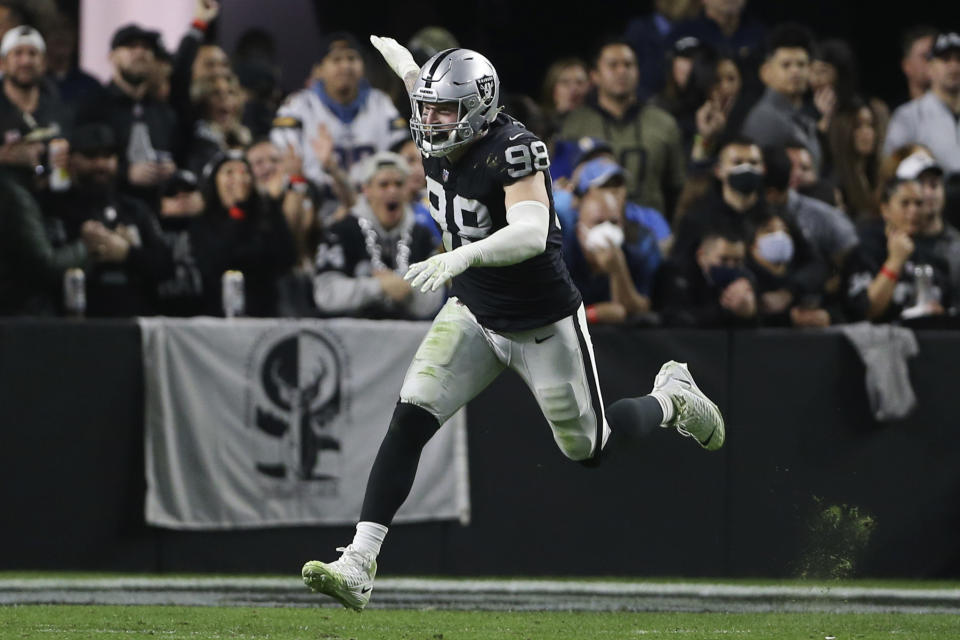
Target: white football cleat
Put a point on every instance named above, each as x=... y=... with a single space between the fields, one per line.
x=694 y=414
x=348 y=580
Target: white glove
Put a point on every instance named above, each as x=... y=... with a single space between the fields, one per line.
x=396 y=55
x=436 y=271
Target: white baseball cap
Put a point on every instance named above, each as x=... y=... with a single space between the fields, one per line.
x=919 y=162
x=19 y=36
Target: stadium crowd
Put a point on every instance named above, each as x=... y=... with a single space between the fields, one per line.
x=708 y=171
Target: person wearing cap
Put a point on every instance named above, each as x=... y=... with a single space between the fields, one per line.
x=127 y=253
x=601 y=174
x=778 y=118
x=612 y=260
x=645 y=139
x=933 y=120
x=145 y=129
x=361 y=119
x=728 y=28
x=936 y=234
x=361 y=260
x=894 y=275
x=30 y=117
x=180 y=205
x=649 y=35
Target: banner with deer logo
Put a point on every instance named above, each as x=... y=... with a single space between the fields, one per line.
x=258 y=423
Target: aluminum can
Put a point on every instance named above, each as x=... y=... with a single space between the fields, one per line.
x=232 y=292
x=75 y=292
x=59 y=176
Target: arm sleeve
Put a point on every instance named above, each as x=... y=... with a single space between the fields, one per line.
x=524 y=237
x=335 y=292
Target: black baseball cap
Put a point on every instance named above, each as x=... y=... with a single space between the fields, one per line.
x=338 y=40
x=131 y=33
x=182 y=181
x=945 y=43
x=93 y=139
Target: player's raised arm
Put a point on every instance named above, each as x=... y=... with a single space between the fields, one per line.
x=399 y=59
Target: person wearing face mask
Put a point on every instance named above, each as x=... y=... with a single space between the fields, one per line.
x=611 y=259
x=731 y=204
x=711 y=289
x=773 y=261
x=893 y=276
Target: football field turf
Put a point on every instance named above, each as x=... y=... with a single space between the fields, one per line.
x=79 y=606
x=176 y=623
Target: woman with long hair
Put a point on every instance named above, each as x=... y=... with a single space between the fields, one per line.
x=856 y=140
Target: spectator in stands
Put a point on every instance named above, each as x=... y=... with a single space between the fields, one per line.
x=644 y=138
x=158 y=82
x=726 y=27
x=417 y=186
x=721 y=112
x=932 y=119
x=778 y=118
x=361 y=120
x=128 y=255
x=734 y=198
x=776 y=267
x=196 y=60
x=881 y=277
x=612 y=260
x=240 y=230
x=255 y=63
x=31 y=267
x=145 y=129
x=564 y=89
x=180 y=205
x=361 y=260
x=649 y=35
x=30 y=117
x=827 y=229
x=916 y=46
x=855 y=141
x=74 y=84
x=218 y=102
x=710 y=288
x=936 y=234
x=603 y=178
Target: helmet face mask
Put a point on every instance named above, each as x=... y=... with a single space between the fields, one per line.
x=461 y=77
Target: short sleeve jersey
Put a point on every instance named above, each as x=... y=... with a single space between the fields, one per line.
x=467 y=202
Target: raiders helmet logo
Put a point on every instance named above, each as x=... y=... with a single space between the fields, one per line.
x=485 y=88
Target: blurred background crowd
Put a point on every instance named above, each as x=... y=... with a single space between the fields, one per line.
x=708 y=170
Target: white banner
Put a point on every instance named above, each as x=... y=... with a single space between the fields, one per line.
x=257 y=423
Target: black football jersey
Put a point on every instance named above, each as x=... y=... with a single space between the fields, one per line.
x=467 y=202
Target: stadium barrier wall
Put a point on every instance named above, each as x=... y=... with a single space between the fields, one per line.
x=808 y=483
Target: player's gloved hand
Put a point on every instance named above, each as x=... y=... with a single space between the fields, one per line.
x=396 y=55
x=434 y=272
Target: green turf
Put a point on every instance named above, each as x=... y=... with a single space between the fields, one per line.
x=175 y=623
x=901 y=583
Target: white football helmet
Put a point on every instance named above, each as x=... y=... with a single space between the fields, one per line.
x=461 y=76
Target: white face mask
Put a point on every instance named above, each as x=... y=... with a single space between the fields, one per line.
x=776 y=247
x=604 y=236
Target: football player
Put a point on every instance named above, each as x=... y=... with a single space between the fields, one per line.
x=512 y=305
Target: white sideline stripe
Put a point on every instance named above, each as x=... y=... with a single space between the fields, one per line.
x=451 y=586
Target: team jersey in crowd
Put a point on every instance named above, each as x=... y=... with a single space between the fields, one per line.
x=467 y=202
x=370 y=124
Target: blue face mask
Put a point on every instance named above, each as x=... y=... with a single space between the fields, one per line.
x=776 y=247
x=721 y=276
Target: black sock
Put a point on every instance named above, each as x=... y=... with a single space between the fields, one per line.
x=634 y=418
x=396 y=464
